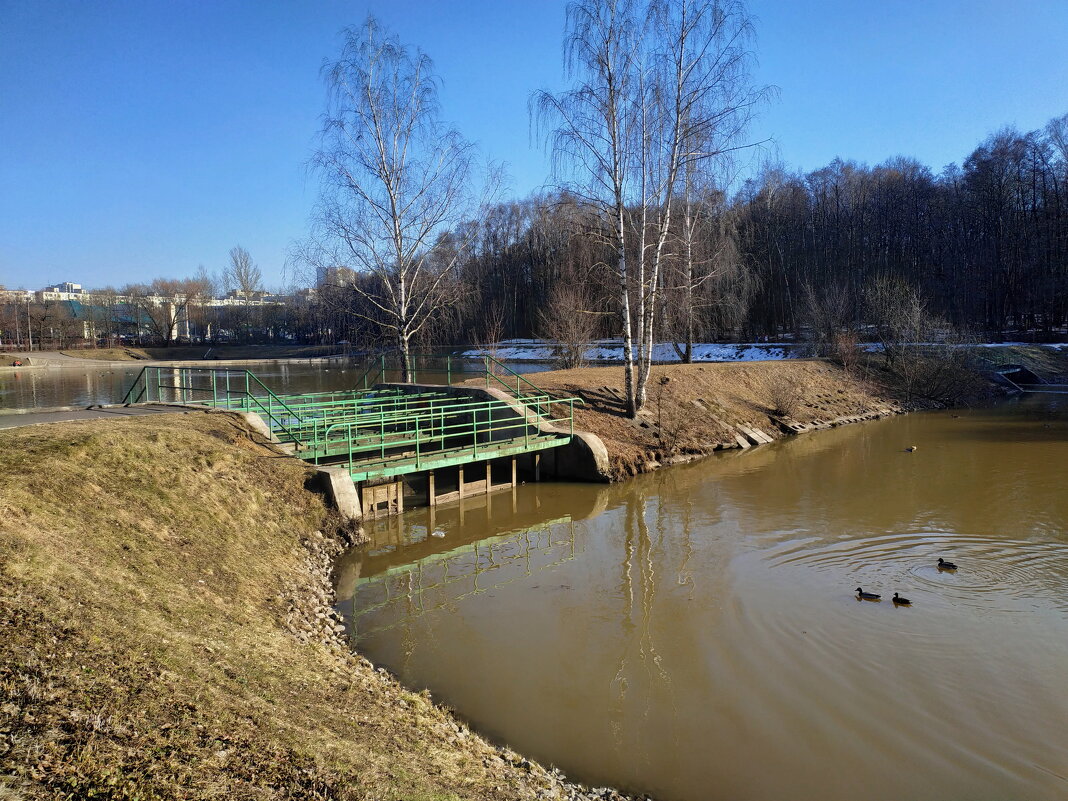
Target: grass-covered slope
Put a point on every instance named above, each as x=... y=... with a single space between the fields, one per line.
x=153 y=572
x=686 y=413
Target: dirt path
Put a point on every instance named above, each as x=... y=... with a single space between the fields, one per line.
x=33 y=418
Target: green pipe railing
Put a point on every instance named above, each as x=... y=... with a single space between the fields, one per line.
x=372 y=427
x=520 y=380
x=493 y=369
x=443 y=409
x=221 y=385
x=378 y=437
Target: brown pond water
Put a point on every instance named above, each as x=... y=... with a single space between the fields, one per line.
x=694 y=633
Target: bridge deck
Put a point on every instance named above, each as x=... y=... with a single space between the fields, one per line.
x=401 y=464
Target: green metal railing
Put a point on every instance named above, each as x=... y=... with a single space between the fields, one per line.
x=222 y=388
x=439 y=435
x=379 y=367
x=520 y=380
x=384 y=420
x=495 y=372
x=377 y=370
x=386 y=430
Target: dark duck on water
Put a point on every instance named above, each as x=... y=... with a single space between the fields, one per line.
x=944 y=565
x=867 y=596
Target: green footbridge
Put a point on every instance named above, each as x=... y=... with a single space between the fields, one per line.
x=380 y=430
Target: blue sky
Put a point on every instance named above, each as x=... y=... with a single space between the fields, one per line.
x=142 y=139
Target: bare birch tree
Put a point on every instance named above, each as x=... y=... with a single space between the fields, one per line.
x=592 y=137
x=696 y=102
x=396 y=181
x=662 y=88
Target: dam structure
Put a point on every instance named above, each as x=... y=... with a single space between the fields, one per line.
x=401 y=442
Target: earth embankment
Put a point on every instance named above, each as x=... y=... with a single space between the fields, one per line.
x=694 y=409
x=167 y=632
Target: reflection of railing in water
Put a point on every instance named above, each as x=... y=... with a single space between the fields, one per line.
x=397 y=535
x=505 y=551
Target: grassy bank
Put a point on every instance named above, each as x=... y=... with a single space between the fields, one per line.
x=164 y=601
x=1047 y=361
x=695 y=409
x=197 y=352
x=166 y=633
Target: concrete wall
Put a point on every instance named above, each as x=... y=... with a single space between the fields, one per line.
x=336 y=483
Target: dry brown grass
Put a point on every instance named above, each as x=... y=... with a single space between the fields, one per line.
x=784 y=395
x=144 y=567
x=686 y=418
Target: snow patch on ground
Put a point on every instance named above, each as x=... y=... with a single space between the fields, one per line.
x=538 y=350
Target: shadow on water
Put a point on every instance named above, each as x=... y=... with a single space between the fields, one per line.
x=695 y=634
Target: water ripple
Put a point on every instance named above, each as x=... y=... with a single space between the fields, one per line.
x=1008 y=575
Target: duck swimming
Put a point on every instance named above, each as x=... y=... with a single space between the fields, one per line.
x=944 y=565
x=867 y=596
x=901 y=601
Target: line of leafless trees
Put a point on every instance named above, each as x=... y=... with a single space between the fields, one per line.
x=660 y=97
x=985 y=245
x=643 y=235
x=167 y=310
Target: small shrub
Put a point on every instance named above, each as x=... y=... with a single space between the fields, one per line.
x=566 y=321
x=784 y=394
x=846 y=350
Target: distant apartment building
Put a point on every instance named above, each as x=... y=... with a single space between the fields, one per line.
x=16 y=296
x=64 y=291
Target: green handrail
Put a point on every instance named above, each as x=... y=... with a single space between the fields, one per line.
x=142 y=378
x=387 y=433
x=380 y=364
x=519 y=378
x=379 y=426
x=184 y=390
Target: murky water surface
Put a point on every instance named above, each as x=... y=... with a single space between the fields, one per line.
x=72 y=386
x=694 y=633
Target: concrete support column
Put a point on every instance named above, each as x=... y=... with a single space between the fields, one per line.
x=431 y=496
